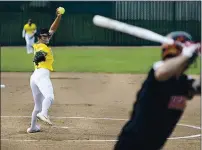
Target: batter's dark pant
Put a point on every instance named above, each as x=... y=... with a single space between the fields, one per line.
x=136 y=141
x=147 y=134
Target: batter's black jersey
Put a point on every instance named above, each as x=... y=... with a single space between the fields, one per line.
x=158 y=108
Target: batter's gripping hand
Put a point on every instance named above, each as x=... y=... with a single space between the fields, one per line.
x=191 y=51
x=39 y=57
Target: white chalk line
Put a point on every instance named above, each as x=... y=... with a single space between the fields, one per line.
x=174 y=138
x=87 y=118
x=190 y=126
x=185 y=137
x=90 y=118
x=61 y=140
x=18 y=140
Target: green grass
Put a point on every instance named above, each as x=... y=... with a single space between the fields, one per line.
x=69 y=59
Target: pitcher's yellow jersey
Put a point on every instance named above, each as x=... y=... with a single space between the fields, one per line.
x=49 y=57
x=30 y=29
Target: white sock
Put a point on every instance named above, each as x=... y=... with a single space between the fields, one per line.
x=37 y=108
x=46 y=105
x=34 y=119
x=27 y=49
x=30 y=49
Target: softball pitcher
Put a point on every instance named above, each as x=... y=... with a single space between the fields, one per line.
x=28 y=33
x=40 y=82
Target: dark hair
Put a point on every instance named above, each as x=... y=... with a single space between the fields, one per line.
x=42 y=31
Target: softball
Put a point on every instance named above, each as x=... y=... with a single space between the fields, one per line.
x=3 y=86
x=61 y=10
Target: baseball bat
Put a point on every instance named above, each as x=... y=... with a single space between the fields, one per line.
x=130 y=29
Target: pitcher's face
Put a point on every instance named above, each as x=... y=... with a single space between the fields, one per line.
x=44 y=38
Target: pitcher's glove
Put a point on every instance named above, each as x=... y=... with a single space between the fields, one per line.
x=39 y=57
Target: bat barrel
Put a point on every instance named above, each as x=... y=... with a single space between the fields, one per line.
x=139 y=32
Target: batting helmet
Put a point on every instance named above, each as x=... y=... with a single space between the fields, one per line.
x=169 y=51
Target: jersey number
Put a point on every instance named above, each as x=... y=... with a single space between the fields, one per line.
x=177 y=102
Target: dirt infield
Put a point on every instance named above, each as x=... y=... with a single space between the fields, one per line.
x=88 y=113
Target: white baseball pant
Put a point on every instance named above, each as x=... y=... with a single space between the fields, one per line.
x=29 y=43
x=42 y=91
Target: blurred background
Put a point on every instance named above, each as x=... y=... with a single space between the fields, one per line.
x=77 y=28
